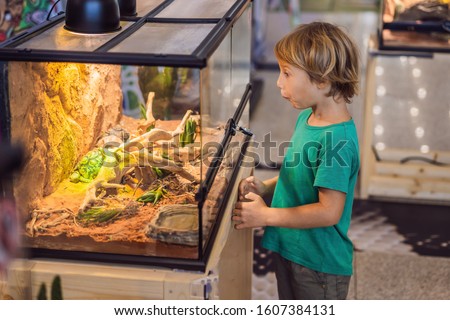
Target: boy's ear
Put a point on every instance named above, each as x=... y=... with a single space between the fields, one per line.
x=322 y=85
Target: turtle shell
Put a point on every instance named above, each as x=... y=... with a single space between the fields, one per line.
x=88 y=167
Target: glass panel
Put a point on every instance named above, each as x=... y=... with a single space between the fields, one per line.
x=165 y=38
x=196 y=9
x=217 y=197
x=240 y=68
x=216 y=87
x=58 y=38
x=145 y=6
x=100 y=177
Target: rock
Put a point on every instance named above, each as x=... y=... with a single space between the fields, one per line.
x=58 y=111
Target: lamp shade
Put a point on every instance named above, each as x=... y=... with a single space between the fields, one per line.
x=127 y=8
x=92 y=16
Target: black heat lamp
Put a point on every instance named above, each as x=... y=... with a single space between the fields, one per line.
x=127 y=8
x=92 y=16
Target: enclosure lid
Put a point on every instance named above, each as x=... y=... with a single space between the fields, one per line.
x=197 y=9
x=180 y=33
x=145 y=6
x=165 y=38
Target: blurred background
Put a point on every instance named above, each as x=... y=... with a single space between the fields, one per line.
x=401 y=214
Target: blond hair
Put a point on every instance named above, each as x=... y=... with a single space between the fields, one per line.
x=326 y=54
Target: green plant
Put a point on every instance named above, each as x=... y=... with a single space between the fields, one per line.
x=56 y=289
x=99 y=215
x=188 y=135
x=56 y=293
x=153 y=195
x=42 y=294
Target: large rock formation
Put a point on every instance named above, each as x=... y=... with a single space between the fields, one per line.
x=58 y=111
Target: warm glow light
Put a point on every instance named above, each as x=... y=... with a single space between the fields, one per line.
x=416 y=72
x=414 y=111
x=381 y=91
x=380 y=146
x=379 y=129
x=424 y=148
x=95 y=75
x=421 y=93
x=420 y=132
x=377 y=110
x=379 y=71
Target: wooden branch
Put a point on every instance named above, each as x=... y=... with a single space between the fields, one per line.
x=180 y=128
x=162 y=163
x=151 y=136
x=149 y=108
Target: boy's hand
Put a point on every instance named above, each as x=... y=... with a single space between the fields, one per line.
x=251 y=184
x=250 y=213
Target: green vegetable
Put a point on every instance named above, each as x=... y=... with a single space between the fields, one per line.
x=98 y=214
x=153 y=195
x=188 y=136
x=158 y=172
x=143 y=111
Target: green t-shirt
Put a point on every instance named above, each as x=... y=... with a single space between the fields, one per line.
x=325 y=157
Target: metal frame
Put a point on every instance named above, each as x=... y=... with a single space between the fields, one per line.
x=213 y=169
x=5 y=119
x=197 y=59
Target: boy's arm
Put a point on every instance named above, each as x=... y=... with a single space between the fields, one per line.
x=326 y=212
x=270 y=185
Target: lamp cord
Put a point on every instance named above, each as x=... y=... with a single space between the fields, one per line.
x=412 y=158
x=51 y=9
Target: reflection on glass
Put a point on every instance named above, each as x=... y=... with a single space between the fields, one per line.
x=58 y=38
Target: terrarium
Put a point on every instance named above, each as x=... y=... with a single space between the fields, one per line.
x=133 y=138
x=415 y=25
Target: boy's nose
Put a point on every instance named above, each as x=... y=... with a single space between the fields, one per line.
x=279 y=82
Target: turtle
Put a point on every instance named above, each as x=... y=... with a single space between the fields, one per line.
x=88 y=167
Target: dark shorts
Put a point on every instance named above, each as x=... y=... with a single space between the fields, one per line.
x=296 y=282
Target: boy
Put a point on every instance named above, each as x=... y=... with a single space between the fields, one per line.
x=307 y=223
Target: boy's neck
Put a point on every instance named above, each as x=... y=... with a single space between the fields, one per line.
x=327 y=114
